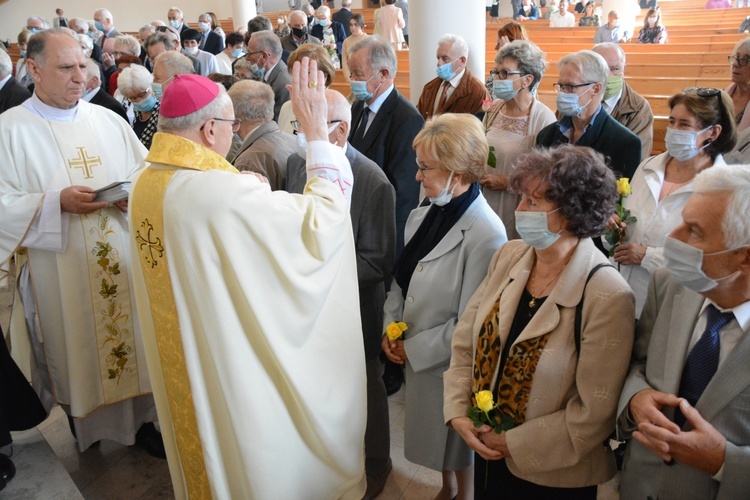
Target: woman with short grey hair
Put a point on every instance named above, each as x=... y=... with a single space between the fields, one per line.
x=512 y=122
x=134 y=83
x=739 y=89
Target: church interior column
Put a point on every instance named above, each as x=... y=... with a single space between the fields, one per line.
x=431 y=19
x=242 y=12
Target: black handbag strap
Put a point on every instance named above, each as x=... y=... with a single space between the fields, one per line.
x=579 y=306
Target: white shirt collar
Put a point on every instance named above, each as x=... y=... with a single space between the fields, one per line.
x=91 y=94
x=457 y=79
x=268 y=72
x=36 y=106
x=741 y=312
x=612 y=101
x=375 y=106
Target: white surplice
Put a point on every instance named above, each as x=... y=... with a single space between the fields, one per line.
x=266 y=294
x=81 y=344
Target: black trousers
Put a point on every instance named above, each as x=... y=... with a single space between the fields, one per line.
x=493 y=480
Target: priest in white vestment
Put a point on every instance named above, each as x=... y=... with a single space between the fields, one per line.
x=249 y=306
x=80 y=341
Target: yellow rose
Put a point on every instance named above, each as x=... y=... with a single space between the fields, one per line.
x=623 y=186
x=484 y=401
x=395 y=330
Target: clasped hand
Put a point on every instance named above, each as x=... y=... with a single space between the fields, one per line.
x=701 y=448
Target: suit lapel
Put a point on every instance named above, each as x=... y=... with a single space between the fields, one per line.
x=381 y=118
x=455 y=235
x=685 y=309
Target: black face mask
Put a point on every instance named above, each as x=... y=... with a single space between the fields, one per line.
x=300 y=32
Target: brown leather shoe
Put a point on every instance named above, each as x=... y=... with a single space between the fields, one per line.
x=376 y=482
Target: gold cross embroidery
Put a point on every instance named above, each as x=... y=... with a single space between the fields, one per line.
x=85 y=162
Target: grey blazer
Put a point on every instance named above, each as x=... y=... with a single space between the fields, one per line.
x=278 y=79
x=659 y=355
x=373 y=214
x=266 y=152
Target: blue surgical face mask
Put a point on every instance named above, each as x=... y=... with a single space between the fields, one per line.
x=35 y=30
x=90 y=35
x=359 y=89
x=567 y=104
x=324 y=22
x=23 y=54
x=145 y=105
x=98 y=26
x=158 y=91
x=681 y=144
x=503 y=89
x=445 y=71
x=685 y=263
x=257 y=71
x=175 y=24
x=534 y=230
x=237 y=53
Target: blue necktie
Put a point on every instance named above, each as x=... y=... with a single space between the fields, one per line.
x=703 y=360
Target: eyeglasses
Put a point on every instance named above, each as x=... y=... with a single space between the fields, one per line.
x=503 y=74
x=251 y=53
x=569 y=88
x=296 y=124
x=741 y=61
x=422 y=169
x=235 y=123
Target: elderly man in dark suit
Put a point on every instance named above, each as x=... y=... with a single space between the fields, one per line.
x=299 y=34
x=686 y=399
x=343 y=15
x=106 y=24
x=264 y=53
x=210 y=42
x=374 y=225
x=12 y=93
x=95 y=94
x=584 y=122
x=384 y=123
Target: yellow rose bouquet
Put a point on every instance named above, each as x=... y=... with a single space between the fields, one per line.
x=395 y=330
x=616 y=237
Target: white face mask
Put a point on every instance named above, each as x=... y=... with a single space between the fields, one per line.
x=445 y=196
x=302 y=141
x=652 y=20
x=685 y=263
x=681 y=144
x=193 y=51
x=534 y=229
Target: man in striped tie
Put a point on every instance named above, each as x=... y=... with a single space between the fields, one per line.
x=686 y=402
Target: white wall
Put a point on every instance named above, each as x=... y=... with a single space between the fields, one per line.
x=129 y=15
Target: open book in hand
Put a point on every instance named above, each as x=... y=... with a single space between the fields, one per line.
x=117 y=191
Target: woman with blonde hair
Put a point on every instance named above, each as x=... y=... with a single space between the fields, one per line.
x=449 y=239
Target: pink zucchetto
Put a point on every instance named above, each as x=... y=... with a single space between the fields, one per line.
x=187 y=94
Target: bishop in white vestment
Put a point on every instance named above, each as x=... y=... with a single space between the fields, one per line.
x=248 y=301
x=80 y=340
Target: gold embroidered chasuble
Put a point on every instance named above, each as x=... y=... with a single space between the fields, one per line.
x=244 y=295
x=85 y=316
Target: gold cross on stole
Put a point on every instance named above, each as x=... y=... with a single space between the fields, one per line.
x=85 y=162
